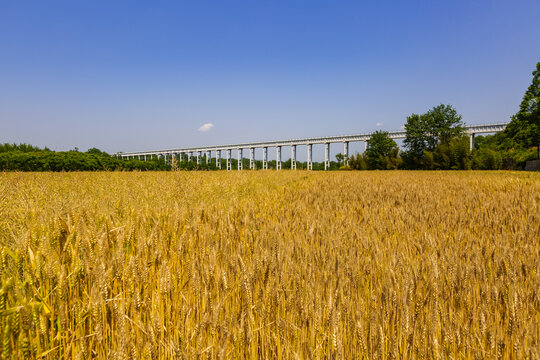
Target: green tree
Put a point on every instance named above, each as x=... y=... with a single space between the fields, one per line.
x=453 y=155
x=381 y=152
x=427 y=131
x=524 y=129
x=340 y=157
x=486 y=159
x=96 y=151
x=358 y=162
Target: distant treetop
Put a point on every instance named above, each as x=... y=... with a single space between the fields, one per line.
x=6 y=147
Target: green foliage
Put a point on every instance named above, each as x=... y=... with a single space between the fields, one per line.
x=96 y=151
x=486 y=159
x=340 y=158
x=432 y=132
x=20 y=147
x=28 y=158
x=382 y=152
x=358 y=162
x=417 y=137
x=444 y=124
x=524 y=129
x=453 y=155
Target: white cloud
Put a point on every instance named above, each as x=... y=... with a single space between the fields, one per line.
x=379 y=124
x=206 y=127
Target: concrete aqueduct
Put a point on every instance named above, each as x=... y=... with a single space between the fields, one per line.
x=181 y=153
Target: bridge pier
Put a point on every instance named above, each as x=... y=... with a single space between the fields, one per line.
x=293 y=157
x=326 y=156
x=309 y=157
x=278 y=157
x=218 y=159
x=229 y=167
x=471 y=141
x=365 y=146
x=252 y=159
x=208 y=155
x=265 y=158
x=346 y=153
x=240 y=156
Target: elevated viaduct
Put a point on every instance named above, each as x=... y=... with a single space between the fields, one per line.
x=197 y=152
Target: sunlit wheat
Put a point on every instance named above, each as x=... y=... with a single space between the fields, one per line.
x=263 y=265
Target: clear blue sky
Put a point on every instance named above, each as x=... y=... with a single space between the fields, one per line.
x=139 y=75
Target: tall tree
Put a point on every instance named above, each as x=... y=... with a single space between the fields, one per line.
x=417 y=134
x=524 y=129
x=381 y=152
x=444 y=124
x=427 y=131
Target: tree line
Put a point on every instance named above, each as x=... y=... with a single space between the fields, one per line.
x=24 y=157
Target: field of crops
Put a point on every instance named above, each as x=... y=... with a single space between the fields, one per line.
x=264 y=265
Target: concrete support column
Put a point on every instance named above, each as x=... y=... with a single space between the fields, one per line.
x=326 y=156
x=293 y=157
x=471 y=141
x=229 y=167
x=278 y=157
x=240 y=156
x=208 y=154
x=265 y=158
x=346 y=153
x=310 y=157
x=218 y=159
x=199 y=157
x=365 y=145
x=252 y=159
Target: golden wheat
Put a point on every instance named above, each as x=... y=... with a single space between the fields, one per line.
x=374 y=265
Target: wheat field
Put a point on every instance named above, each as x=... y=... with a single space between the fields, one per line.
x=270 y=265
